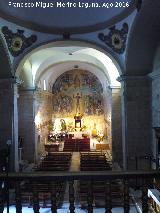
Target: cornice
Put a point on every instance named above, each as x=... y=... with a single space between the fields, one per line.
x=154 y=75
x=123 y=78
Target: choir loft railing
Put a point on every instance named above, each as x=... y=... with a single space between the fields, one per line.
x=13 y=181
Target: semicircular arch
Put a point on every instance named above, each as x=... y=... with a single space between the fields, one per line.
x=6 y=70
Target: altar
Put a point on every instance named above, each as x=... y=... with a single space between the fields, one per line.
x=78 y=135
x=77 y=145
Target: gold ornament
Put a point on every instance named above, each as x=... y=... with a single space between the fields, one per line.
x=16 y=43
x=117 y=41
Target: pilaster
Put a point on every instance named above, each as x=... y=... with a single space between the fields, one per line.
x=136 y=118
x=117 y=153
x=26 y=117
x=155 y=80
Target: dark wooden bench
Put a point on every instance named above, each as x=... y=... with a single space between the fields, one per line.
x=44 y=193
x=99 y=193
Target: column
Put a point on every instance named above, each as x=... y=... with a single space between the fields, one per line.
x=15 y=125
x=157 y=145
x=26 y=111
x=155 y=79
x=9 y=120
x=136 y=120
x=116 y=125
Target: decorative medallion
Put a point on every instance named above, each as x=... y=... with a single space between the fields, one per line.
x=116 y=39
x=17 y=42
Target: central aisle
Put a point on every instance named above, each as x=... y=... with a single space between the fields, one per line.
x=75 y=162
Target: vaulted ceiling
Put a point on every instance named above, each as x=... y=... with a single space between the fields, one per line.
x=141 y=45
x=51 y=62
x=144 y=39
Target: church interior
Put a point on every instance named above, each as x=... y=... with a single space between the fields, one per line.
x=79 y=106
x=71 y=101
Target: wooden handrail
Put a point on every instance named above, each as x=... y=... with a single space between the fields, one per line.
x=88 y=178
x=82 y=175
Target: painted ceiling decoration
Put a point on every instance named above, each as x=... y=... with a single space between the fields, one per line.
x=17 y=42
x=116 y=39
x=80 y=16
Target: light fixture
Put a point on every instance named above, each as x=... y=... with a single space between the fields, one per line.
x=37 y=121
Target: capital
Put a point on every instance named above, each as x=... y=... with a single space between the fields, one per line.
x=154 y=75
x=123 y=78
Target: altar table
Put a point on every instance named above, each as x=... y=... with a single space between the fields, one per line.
x=77 y=145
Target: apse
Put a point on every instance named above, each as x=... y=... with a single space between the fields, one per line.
x=79 y=92
x=73 y=89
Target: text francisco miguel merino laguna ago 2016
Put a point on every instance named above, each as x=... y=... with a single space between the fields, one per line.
x=61 y=4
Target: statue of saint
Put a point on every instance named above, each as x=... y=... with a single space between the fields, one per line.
x=77 y=97
x=63 y=125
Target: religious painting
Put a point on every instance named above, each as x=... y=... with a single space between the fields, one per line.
x=77 y=91
x=93 y=105
x=63 y=104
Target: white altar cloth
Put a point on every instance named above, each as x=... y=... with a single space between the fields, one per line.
x=78 y=135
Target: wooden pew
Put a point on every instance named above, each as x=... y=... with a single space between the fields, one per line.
x=54 y=161
x=97 y=161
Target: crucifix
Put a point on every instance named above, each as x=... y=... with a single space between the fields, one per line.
x=77 y=97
